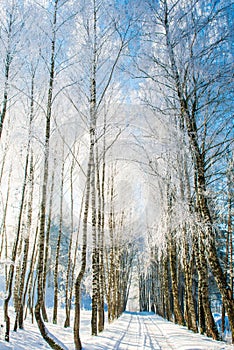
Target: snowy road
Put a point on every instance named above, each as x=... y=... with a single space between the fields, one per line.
x=132 y=331
x=146 y=331
x=135 y=332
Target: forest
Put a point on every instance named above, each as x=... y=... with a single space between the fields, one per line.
x=116 y=170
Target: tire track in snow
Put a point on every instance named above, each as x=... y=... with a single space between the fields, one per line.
x=131 y=338
x=142 y=333
x=157 y=339
x=124 y=335
x=148 y=341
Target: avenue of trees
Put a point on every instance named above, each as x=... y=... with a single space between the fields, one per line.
x=116 y=141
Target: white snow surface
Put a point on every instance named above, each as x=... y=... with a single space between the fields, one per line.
x=132 y=331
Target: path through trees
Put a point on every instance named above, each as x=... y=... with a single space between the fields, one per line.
x=116 y=163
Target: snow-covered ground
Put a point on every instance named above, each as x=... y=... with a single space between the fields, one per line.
x=133 y=331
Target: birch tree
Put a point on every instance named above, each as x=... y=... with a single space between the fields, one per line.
x=12 y=24
x=56 y=7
